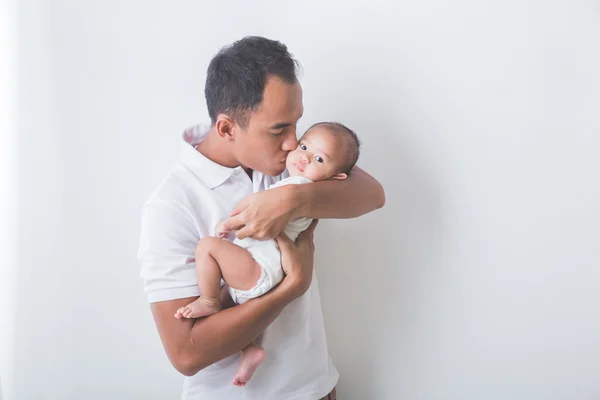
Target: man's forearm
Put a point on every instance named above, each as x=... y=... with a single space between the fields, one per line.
x=357 y=195
x=222 y=334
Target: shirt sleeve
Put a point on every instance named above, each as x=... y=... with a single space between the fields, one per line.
x=166 y=253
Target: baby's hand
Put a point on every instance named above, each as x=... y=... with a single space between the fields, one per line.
x=221 y=231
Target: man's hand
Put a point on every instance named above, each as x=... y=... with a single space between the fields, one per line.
x=221 y=231
x=297 y=259
x=263 y=215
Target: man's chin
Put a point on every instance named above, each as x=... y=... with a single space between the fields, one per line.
x=274 y=171
x=277 y=171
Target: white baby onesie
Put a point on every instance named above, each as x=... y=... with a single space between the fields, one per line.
x=266 y=252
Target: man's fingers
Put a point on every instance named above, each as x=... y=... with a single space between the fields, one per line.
x=241 y=206
x=243 y=233
x=234 y=223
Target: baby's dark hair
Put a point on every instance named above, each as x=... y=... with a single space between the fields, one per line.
x=353 y=149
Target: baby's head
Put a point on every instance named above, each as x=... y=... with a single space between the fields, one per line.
x=328 y=150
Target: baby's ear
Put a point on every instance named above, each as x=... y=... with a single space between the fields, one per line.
x=339 y=176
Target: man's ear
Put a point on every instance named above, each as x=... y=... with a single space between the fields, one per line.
x=224 y=126
x=339 y=176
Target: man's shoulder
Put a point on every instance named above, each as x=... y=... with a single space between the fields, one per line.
x=176 y=188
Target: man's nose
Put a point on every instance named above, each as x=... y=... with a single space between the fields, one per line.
x=291 y=142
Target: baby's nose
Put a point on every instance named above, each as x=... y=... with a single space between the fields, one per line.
x=305 y=159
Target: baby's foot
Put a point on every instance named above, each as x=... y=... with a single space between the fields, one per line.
x=252 y=357
x=199 y=308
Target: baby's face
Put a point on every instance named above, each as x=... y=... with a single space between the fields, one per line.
x=319 y=156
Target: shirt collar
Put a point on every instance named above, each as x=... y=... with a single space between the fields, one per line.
x=209 y=172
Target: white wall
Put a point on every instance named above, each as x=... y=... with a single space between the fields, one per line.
x=8 y=203
x=480 y=278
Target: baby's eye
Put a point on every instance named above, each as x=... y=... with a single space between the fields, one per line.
x=319 y=159
x=303 y=147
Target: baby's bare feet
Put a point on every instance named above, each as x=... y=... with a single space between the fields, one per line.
x=201 y=307
x=252 y=357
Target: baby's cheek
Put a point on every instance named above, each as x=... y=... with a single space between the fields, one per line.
x=316 y=175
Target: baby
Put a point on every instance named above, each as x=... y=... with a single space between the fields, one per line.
x=252 y=267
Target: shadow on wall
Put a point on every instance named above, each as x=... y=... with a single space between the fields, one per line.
x=373 y=271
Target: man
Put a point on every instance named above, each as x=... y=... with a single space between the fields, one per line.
x=254 y=101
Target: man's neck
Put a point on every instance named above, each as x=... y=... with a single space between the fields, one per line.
x=216 y=149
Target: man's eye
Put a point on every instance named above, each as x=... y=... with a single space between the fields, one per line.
x=319 y=159
x=277 y=133
x=303 y=147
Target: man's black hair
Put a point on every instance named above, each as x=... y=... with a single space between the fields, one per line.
x=237 y=76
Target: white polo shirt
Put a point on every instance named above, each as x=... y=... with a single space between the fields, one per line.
x=188 y=204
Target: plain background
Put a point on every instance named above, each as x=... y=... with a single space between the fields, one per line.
x=478 y=280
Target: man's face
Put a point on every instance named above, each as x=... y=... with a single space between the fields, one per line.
x=271 y=131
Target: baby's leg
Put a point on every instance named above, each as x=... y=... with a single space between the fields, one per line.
x=216 y=258
x=252 y=356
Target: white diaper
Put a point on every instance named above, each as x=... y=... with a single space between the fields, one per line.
x=263 y=285
x=266 y=254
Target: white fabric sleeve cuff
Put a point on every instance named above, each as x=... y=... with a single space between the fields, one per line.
x=155 y=296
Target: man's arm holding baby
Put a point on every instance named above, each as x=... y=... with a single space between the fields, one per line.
x=264 y=215
x=352 y=197
x=195 y=344
x=192 y=345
